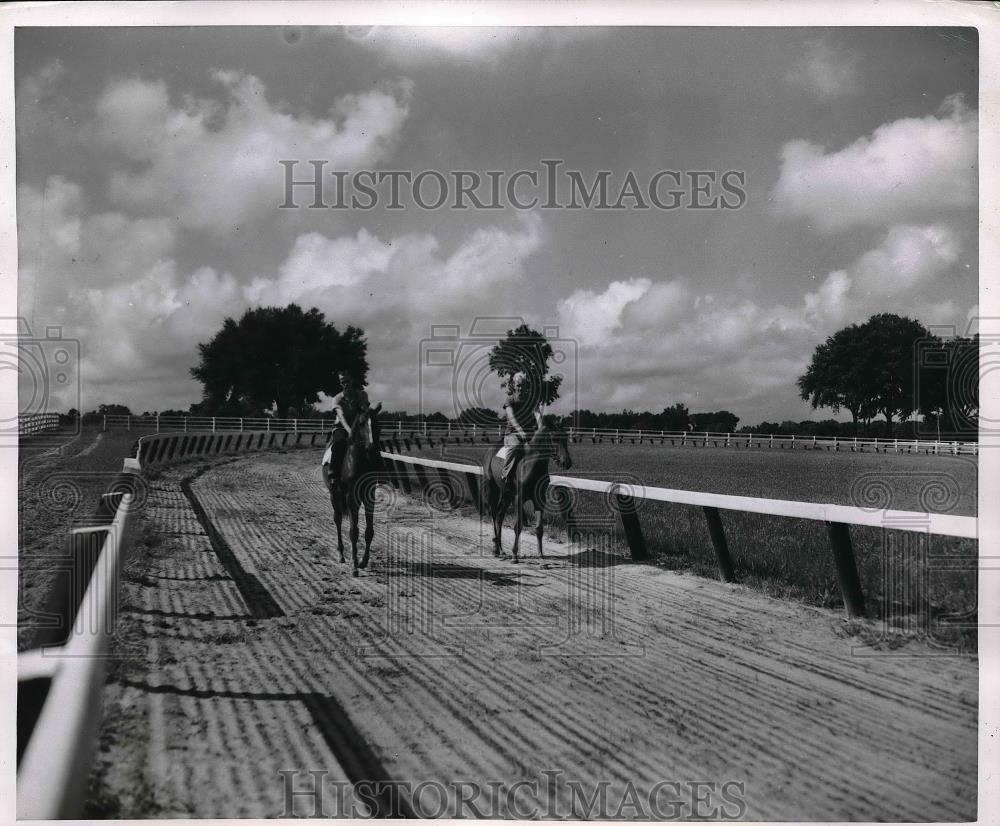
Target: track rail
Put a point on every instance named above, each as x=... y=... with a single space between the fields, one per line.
x=63 y=683
x=486 y=433
x=623 y=495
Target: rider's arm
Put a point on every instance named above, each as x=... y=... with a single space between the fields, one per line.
x=514 y=425
x=341 y=418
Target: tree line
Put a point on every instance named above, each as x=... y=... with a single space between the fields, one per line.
x=275 y=361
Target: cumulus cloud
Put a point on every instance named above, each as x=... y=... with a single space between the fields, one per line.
x=908 y=257
x=60 y=245
x=403 y=283
x=823 y=71
x=213 y=164
x=830 y=301
x=592 y=317
x=114 y=283
x=661 y=340
x=907 y=169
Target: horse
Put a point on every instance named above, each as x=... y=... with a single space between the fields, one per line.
x=529 y=482
x=356 y=484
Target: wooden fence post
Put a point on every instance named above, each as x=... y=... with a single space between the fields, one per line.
x=718 y=534
x=421 y=475
x=445 y=478
x=472 y=483
x=847 y=569
x=633 y=530
x=401 y=476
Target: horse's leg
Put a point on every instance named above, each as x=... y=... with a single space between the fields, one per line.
x=518 y=520
x=337 y=508
x=338 y=518
x=495 y=505
x=539 y=513
x=354 y=506
x=369 y=527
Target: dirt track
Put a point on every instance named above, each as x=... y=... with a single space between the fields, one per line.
x=254 y=652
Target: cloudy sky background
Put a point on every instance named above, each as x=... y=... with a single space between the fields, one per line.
x=148 y=186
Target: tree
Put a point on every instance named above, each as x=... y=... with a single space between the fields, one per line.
x=721 y=421
x=114 y=410
x=528 y=351
x=835 y=376
x=948 y=385
x=276 y=356
x=675 y=417
x=867 y=369
x=891 y=344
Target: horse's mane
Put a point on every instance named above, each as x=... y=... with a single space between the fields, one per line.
x=547 y=431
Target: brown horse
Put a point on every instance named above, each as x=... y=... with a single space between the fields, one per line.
x=356 y=483
x=528 y=482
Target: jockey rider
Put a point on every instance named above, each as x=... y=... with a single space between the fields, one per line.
x=523 y=411
x=348 y=404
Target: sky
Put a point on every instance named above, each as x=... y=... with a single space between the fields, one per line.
x=149 y=185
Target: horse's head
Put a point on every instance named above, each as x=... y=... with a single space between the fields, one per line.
x=553 y=443
x=365 y=433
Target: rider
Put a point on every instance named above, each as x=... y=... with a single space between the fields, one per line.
x=523 y=412
x=347 y=404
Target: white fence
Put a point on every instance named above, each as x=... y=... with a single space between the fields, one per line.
x=28 y=424
x=837 y=518
x=68 y=681
x=480 y=433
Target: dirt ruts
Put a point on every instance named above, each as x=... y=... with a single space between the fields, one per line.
x=551 y=680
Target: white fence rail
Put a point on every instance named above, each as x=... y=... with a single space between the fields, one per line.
x=837 y=518
x=28 y=424
x=53 y=769
x=481 y=433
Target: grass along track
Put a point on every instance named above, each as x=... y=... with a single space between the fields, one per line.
x=60 y=480
x=454 y=666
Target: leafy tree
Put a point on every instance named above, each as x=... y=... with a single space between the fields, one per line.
x=675 y=417
x=890 y=360
x=114 y=410
x=948 y=384
x=867 y=369
x=836 y=375
x=721 y=421
x=528 y=351
x=276 y=356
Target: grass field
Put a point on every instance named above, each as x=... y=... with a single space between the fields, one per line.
x=61 y=477
x=925 y=585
